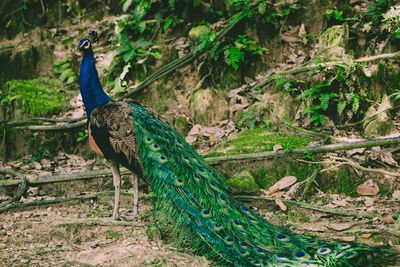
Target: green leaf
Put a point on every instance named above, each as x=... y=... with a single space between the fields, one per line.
x=122 y=49
x=167 y=23
x=141 y=9
x=156 y=55
x=142 y=44
x=66 y=74
x=128 y=56
x=341 y=106
x=126 y=5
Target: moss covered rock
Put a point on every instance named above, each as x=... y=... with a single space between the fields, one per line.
x=208 y=106
x=332 y=43
x=382 y=124
x=196 y=32
x=242 y=182
x=34 y=97
x=181 y=125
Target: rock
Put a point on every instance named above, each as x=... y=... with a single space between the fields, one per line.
x=382 y=124
x=242 y=182
x=396 y=195
x=208 y=106
x=196 y=32
x=181 y=125
x=368 y=188
x=332 y=43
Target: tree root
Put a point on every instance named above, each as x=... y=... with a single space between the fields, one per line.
x=339 y=161
x=20 y=192
x=302 y=150
x=317 y=207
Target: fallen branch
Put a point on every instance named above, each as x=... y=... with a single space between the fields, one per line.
x=356 y=165
x=51 y=201
x=62 y=177
x=51 y=127
x=216 y=160
x=97 y=221
x=317 y=207
x=21 y=190
x=302 y=150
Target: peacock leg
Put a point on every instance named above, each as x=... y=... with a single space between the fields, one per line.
x=117 y=182
x=135 y=200
x=135 y=185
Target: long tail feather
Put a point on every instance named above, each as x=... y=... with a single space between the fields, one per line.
x=207 y=215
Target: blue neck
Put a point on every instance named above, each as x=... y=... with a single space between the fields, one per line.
x=91 y=90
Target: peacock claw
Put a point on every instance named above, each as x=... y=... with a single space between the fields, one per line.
x=129 y=218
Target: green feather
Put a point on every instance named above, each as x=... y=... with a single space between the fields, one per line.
x=192 y=195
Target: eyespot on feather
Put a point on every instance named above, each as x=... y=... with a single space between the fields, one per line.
x=282 y=237
x=155 y=147
x=351 y=254
x=218 y=227
x=162 y=159
x=243 y=244
x=344 y=246
x=244 y=253
x=260 y=251
x=300 y=255
x=179 y=182
x=229 y=240
x=205 y=213
x=324 y=251
x=148 y=140
x=339 y=255
x=237 y=223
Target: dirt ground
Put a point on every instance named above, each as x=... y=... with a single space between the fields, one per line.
x=81 y=233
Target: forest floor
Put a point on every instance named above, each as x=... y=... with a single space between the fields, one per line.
x=72 y=235
x=82 y=233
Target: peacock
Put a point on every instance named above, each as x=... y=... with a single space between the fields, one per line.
x=189 y=194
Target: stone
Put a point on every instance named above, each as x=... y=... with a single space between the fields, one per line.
x=332 y=43
x=181 y=125
x=382 y=124
x=208 y=106
x=242 y=182
x=196 y=32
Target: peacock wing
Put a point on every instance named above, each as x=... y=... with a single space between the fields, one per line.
x=112 y=127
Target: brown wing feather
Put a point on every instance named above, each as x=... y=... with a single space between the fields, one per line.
x=116 y=117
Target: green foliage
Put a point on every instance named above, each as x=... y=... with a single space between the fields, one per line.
x=131 y=52
x=39 y=150
x=236 y=50
x=339 y=92
x=392 y=21
x=395 y=95
x=110 y=234
x=377 y=9
x=259 y=140
x=337 y=15
x=82 y=136
x=63 y=68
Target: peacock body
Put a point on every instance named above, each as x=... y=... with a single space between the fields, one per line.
x=190 y=194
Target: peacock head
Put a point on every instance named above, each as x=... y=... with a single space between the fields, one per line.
x=85 y=45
